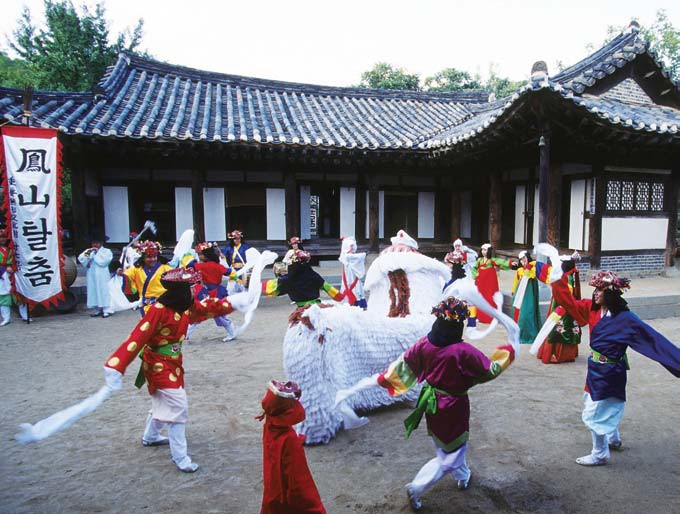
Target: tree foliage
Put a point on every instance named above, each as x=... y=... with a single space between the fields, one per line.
x=386 y=76
x=451 y=79
x=71 y=52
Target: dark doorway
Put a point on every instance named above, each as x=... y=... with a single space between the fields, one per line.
x=401 y=212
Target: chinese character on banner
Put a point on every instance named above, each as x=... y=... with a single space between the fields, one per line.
x=30 y=173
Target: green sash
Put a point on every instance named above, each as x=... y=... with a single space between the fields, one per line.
x=427 y=403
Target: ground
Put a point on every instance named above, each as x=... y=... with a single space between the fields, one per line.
x=526 y=431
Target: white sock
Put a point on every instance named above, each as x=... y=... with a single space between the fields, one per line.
x=600 y=447
x=23 y=311
x=152 y=431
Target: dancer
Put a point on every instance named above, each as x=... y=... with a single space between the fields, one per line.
x=144 y=278
x=353 y=272
x=485 y=274
x=525 y=295
x=294 y=244
x=562 y=342
x=302 y=283
x=448 y=367
x=613 y=328
x=159 y=336
x=288 y=483
x=7 y=269
x=96 y=260
x=469 y=255
x=456 y=262
x=235 y=255
x=211 y=284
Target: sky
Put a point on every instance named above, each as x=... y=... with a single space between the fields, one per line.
x=332 y=43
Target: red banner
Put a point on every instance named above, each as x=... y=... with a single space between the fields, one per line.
x=31 y=175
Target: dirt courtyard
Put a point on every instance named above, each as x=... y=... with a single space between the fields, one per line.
x=526 y=431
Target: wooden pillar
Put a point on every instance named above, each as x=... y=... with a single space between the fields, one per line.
x=595 y=225
x=292 y=204
x=673 y=185
x=543 y=181
x=373 y=215
x=554 y=205
x=455 y=215
x=197 y=184
x=360 y=213
x=495 y=209
x=442 y=210
x=79 y=210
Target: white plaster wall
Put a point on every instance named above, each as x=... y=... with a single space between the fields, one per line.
x=347 y=211
x=214 y=216
x=305 y=222
x=116 y=214
x=634 y=233
x=184 y=214
x=276 y=214
x=426 y=215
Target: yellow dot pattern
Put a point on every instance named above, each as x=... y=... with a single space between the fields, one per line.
x=132 y=346
x=113 y=362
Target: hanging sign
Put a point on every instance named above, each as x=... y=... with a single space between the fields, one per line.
x=30 y=165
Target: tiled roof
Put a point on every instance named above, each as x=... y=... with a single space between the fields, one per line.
x=142 y=98
x=149 y=100
x=614 y=55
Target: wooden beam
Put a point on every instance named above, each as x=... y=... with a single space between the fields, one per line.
x=595 y=225
x=292 y=204
x=197 y=185
x=554 y=204
x=373 y=215
x=543 y=182
x=455 y=215
x=495 y=209
x=79 y=209
x=672 y=199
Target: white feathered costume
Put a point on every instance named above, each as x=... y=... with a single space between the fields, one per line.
x=348 y=343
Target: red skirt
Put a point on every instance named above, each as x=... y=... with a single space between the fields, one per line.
x=554 y=353
x=487 y=283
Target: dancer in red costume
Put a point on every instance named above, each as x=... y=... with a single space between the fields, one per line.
x=288 y=484
x=485 y=273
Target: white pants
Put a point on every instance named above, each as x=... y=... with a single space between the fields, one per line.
x=435 y=469
x=602 y=417
x=5 y=312
x=176 y=435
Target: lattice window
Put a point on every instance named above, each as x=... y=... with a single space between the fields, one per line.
x=657 y=196
x=627 y=195
x=613 y=195
x=634 y=196
x=642 y=197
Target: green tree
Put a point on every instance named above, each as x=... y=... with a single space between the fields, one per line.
x=72 y=51
x=14 y=72
x=451 y=79
x=386 y=76
x=501 y=86
x=663 y=38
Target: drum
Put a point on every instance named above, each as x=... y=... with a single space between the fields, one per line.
x=70 y=270
x=280 y=269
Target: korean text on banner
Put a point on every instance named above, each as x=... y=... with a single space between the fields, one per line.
x=31 y=172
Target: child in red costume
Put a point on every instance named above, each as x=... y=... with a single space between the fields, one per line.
x=288 y=484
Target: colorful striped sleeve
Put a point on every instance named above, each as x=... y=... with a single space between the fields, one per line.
x=543 y=272
x=398 y=378
x=271 y=287
x=332 y=292
x=500 y=359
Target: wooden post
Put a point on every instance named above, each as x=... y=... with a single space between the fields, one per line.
x=197 y=184
x=595 y=225
x=373 y=215
x=292 y=204
x=673 y=185
x=495 y=209
x=442 y=208
x=81 y=216
x=554 y=205
x=360 y=213
x=455 y=215
x=543 y=181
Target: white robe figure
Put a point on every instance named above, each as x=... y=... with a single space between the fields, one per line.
x=353 y=273
x=96 y=264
